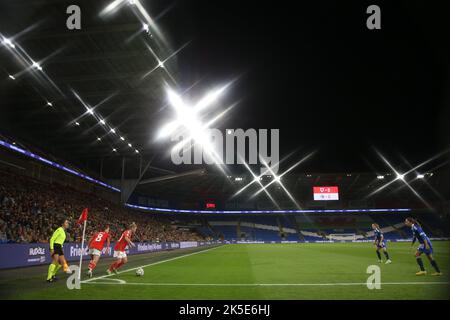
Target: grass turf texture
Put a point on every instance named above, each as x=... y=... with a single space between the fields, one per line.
x=252 y=271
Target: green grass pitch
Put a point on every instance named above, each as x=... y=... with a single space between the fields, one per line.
x=249 y=271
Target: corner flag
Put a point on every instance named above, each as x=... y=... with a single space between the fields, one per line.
x=83 y=216
x=82 y=219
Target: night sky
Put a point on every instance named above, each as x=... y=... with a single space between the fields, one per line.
x=311 y=69
x=319 y=75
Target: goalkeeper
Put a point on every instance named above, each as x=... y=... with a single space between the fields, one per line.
x=56 y=251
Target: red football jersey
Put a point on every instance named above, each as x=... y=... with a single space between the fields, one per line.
x=122 y=244
x=98 y=240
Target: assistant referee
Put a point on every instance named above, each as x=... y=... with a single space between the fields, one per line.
x=56 y=250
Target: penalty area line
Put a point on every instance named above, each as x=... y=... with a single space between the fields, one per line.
x=147 y=265
x=265 y=284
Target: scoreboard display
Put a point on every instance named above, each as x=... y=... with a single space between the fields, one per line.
x=326 y=193
x=210 y=205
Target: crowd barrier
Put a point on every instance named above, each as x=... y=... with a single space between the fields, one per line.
x=322 y=241
x=31 y=254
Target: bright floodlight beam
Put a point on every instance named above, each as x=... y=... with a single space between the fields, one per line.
x=405 y=173
x=278 y=180
x=188 y=119
x=89 y=110
x=113 y=7
x=203 y=103
x=257 y=180
x=37 y=66
x=401 y=177
x=197 y=135
x=182 y=111
x=285 y=172
x=210 y=98
x=149 y=21
x=161 y=63
x=138 y=10
x=28 y=63
x=8 y=42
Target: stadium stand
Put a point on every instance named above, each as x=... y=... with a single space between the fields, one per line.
x=35 y=198
x=31 y=209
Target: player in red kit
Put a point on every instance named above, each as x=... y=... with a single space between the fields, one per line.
x=119 y=249
x=95 y=248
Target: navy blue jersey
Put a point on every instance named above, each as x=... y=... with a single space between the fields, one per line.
x=419 y=235
x=425 y=242
x=378 y=235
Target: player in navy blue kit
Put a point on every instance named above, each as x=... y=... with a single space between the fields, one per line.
x=380 y=243
x=424 y=247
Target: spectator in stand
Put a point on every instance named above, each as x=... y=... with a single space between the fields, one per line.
x=30 y=210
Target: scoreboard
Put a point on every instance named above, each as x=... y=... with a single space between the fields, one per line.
x=326 y=193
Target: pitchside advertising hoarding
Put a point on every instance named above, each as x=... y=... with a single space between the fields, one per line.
x=22 y=255
x=326 y=193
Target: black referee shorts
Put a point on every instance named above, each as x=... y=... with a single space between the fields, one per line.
x=57 y=249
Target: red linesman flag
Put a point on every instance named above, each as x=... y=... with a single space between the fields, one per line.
x=83 y=216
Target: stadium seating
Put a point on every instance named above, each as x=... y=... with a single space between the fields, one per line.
x=30 y=210
x=227 y=232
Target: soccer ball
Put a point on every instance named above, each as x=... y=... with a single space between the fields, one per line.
x=139 y=272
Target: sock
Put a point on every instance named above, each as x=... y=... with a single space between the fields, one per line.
x=379 y=255
x=386 y=255
x=435 y=266
x=51 y=268
x=113 y=266
x=65 y=266
x=420 y=263
x=57 y=267
x=121 y=263
x=92 y=265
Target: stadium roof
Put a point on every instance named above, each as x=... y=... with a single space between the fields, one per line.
x=106 y=67
x=74 y=94
x=356 y=186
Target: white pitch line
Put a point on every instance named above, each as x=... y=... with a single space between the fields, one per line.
x=268 y=284
x=116 y=281
x=148 y=265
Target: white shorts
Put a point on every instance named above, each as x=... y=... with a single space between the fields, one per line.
x=120 y=254
x=95 y=252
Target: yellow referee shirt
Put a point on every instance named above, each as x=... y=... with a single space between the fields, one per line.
x=58 y=237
